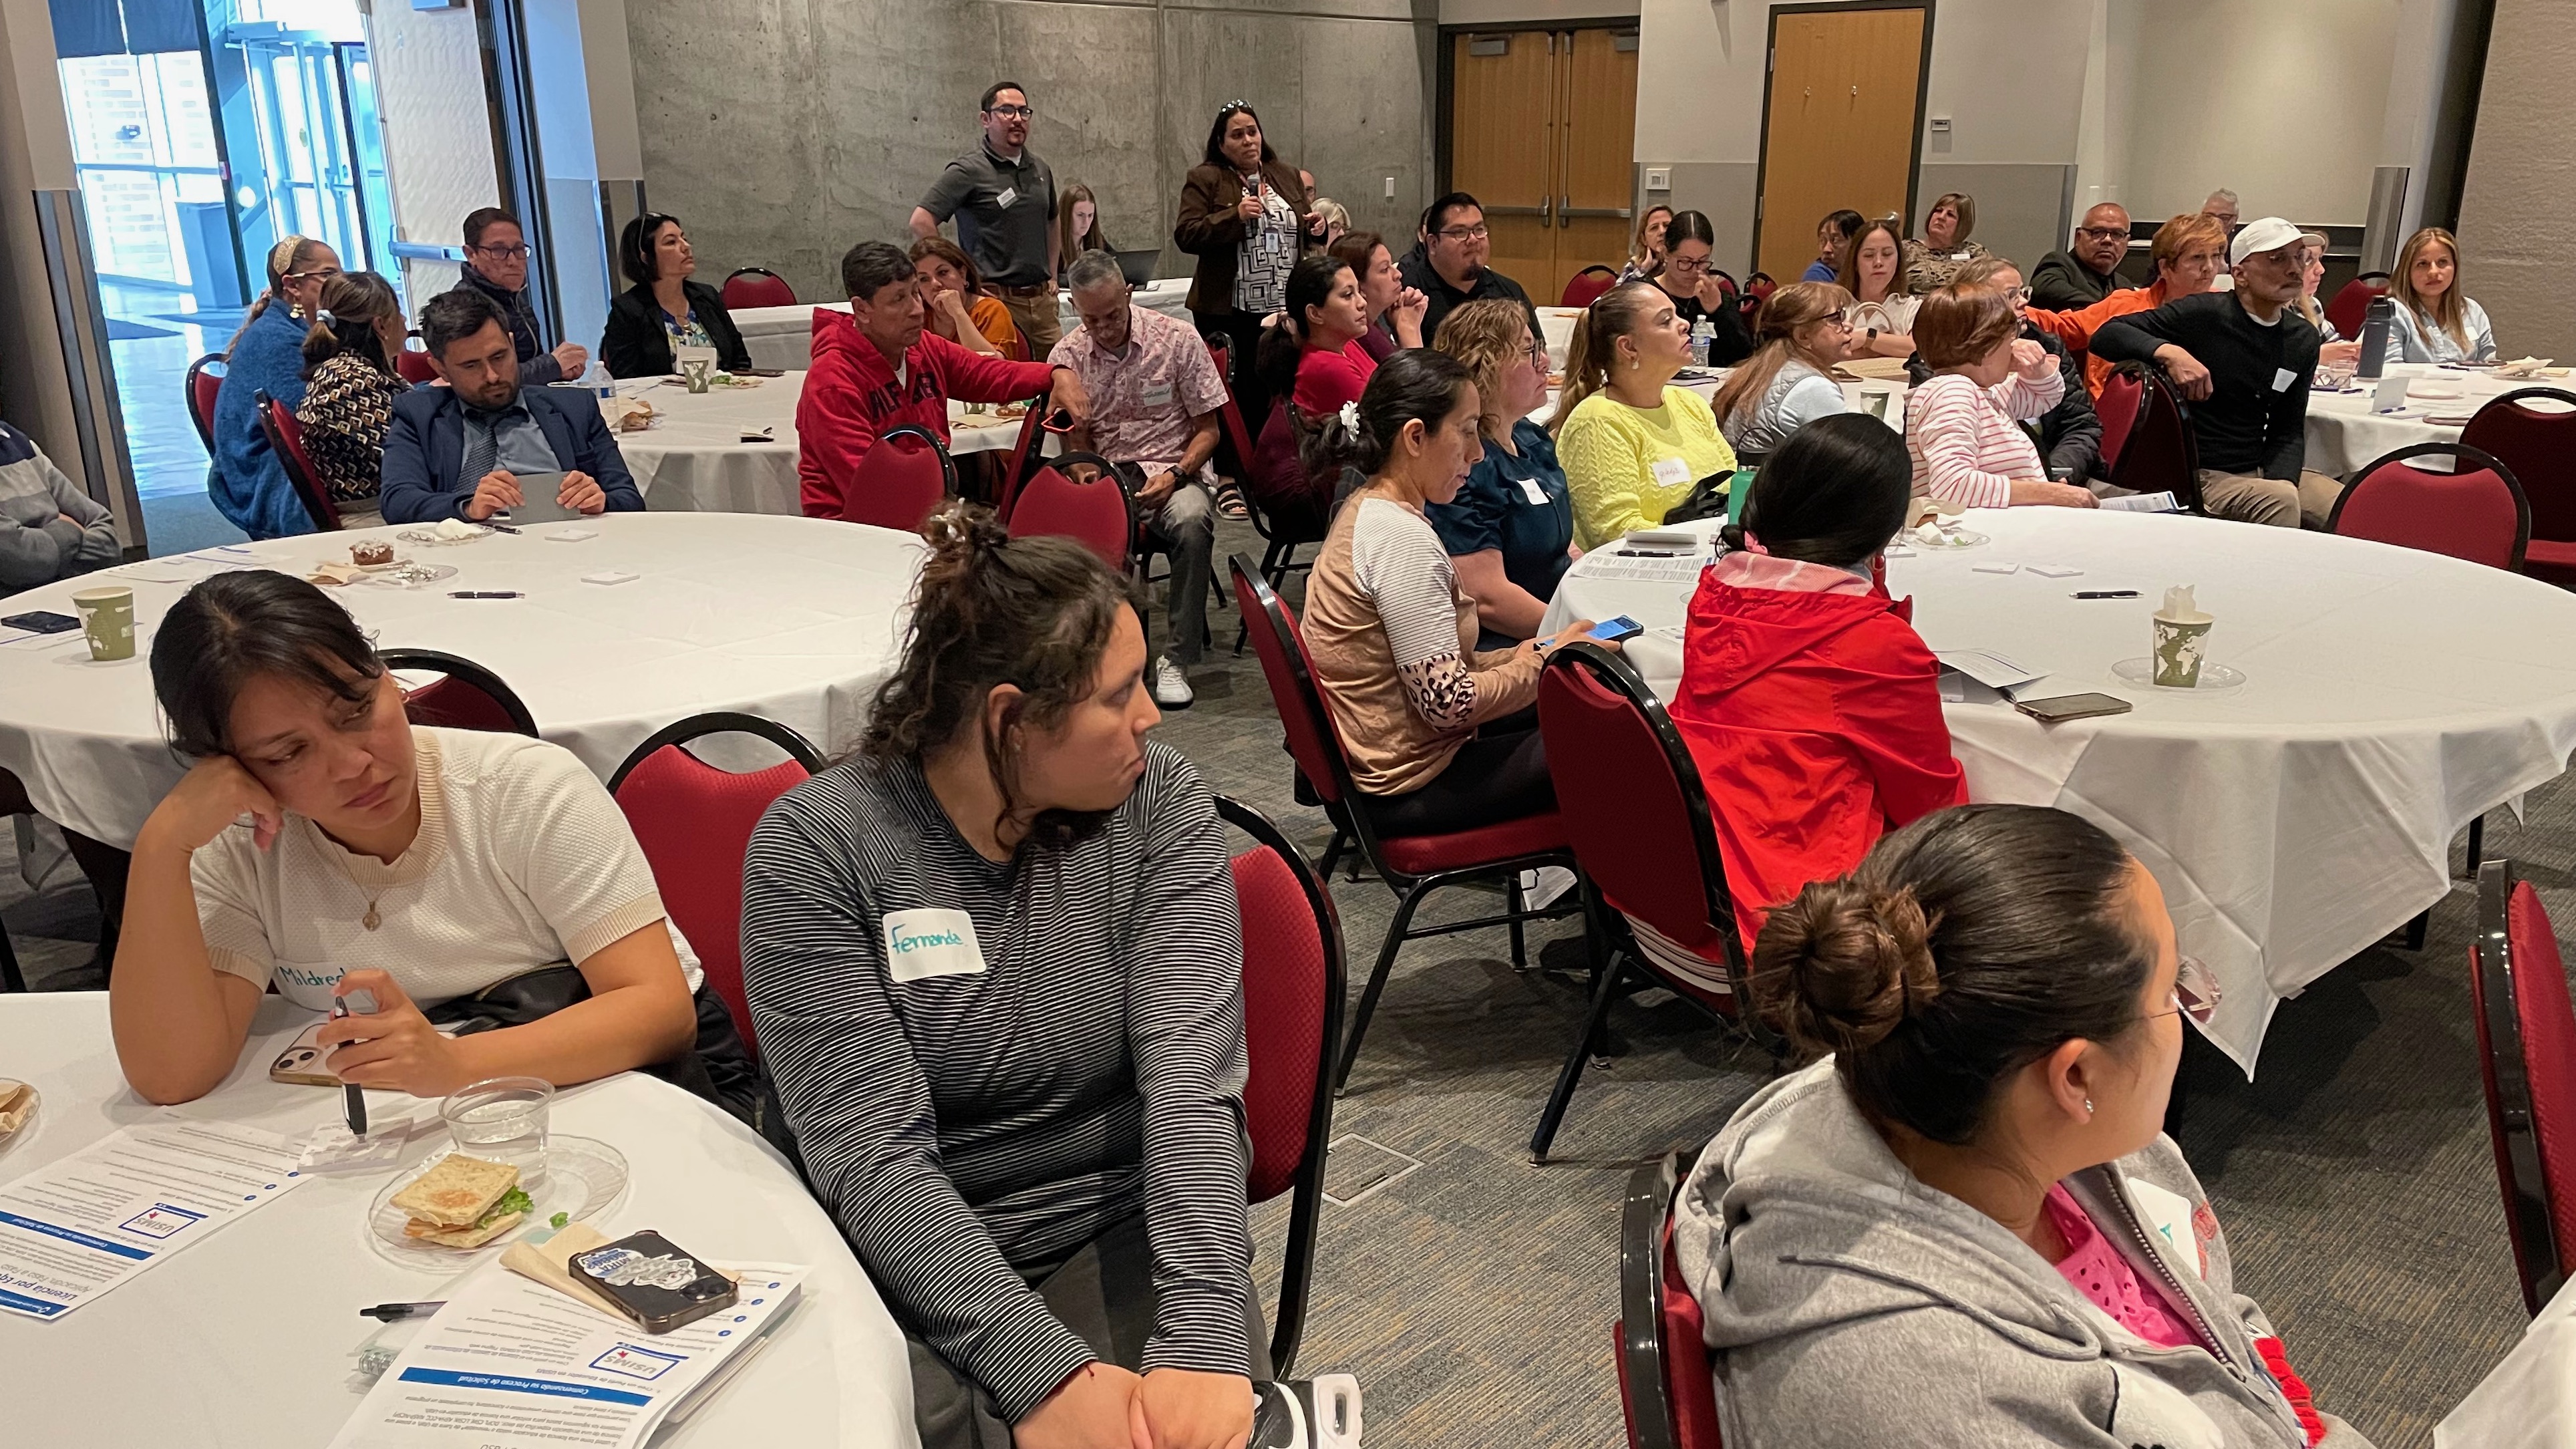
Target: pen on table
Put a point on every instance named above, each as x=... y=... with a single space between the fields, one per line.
x=1656 y=552
x=397 y=1312
x=2106 y=593
x=485 y=594
x=499 y=527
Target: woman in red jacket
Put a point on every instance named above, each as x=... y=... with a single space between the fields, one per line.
x=1807 y=698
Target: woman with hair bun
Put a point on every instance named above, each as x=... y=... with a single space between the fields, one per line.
x=1441 y=736
x=997 y=974
x=247 y=482
x=350 y=383
x=1965 y=1225
x=1808 y=701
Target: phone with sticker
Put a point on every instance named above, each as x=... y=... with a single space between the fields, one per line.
x=654 y=1281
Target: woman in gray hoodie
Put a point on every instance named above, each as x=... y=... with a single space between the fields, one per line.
x=1965 y=1226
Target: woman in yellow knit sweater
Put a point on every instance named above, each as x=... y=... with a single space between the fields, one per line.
x=1632 y=444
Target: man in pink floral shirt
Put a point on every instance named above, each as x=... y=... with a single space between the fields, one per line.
x=1154 y=399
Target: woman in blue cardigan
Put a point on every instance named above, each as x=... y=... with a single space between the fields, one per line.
x=247 y=483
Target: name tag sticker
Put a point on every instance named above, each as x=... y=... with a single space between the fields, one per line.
x=1672 y=472
x=1009 y=195
x=1155 y=395
x=1531 y=490
x=2282 y=377
x=925 y=943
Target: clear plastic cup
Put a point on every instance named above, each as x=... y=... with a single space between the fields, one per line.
x=502 y=1119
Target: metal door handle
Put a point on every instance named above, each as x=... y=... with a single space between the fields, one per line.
x=1567 y=209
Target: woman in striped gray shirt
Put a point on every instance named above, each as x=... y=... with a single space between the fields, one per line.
x=995 y=967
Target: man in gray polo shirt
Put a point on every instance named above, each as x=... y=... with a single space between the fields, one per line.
x=1004 y=201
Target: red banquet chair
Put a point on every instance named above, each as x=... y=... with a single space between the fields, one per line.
x=286 y=439
x=2532 y=430
x=1028 y=453
x=900 y=481
x=1235 y=452
x=205 y=380
x=2349 y=310
x=2527 y=1057
x=1292 y=1021
x=2122 y=392
x=1587 y=286
x=1098 y=513
x=2158 y=454
x=2477 y=513
x=1413 y=866
x=756 y=287
x=465 y=696
x=415 y=367
x=694 y=821
x=1665 y=1388
x=1638 y=819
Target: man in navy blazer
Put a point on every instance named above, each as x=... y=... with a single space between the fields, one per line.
x=458 y=451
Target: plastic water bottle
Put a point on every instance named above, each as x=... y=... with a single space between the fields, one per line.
x=1701 y=332
x=2374 y=337
x=599 y=380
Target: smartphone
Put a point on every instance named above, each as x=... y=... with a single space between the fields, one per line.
x=1614 y=630
x=42 y=622
x=653 y=1281
x=2071 y=706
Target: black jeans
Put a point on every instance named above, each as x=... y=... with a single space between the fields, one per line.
x=1499 y=775
x=1242 y=334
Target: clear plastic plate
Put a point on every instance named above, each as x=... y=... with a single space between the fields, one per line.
x=584 y=1178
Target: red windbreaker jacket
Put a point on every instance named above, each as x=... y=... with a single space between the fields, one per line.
x=1816 y=724
x=851 y=398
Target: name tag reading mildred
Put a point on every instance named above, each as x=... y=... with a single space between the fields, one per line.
x=925 y=943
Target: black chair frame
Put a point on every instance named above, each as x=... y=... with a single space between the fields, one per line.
x=466 y=671
x=2465 y=459
x=2155 y=387
x=1616 y=957
x=1644 y=1218
x=1352 y=826
x=2532 y=1223
x=720 y=722
x=318 y=507
x=205 y=434
x=1279 y=553
x=1306 y=1200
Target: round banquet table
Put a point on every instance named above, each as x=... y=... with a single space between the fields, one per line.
x=784 y=336
x=794 y=619
x=700 y=455
x=2344 y=435
x=255 y=1327
x=2392 y=696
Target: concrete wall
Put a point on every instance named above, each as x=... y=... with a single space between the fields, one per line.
x=35 y=154
x=1532 y=12
x=783 y=131
x=2519 y=199
x=2008 y=73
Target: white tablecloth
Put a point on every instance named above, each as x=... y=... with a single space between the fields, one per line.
x=2529 y=1400
x=2344 y=435
x=784 y=336
x=794 y=619
x=2392 y=696
x=694 y=458
x=246 y=1339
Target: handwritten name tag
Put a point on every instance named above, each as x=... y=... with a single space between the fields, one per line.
x=924 y=943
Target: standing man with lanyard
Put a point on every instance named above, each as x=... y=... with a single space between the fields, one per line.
x=1004 y=201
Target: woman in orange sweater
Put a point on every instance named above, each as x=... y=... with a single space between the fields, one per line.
x=2189 y=252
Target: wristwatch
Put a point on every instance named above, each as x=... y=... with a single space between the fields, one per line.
x=1873 y=335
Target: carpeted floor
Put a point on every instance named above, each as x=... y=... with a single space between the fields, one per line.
x=1474 y=1294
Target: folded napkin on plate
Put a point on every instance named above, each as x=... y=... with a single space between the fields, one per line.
x=17 y=1104
x=1872 y=369
x=548 y=1263
x=2529 y=367
x=333 y=573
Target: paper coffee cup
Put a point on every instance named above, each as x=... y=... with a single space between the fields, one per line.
x=107 y=621
x=2177 y=651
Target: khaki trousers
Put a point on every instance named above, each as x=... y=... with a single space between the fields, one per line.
x=1038 y=321
x=2308 y=503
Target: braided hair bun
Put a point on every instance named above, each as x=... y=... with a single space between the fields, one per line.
x=1846 y=963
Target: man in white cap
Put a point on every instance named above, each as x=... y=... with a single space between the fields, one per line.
x=2244 y=358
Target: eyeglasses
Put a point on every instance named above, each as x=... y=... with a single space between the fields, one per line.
x=1687 y=264
x=318 y=274
x=507 y=254
x=2103 y=233
x=1467 y=233
x=2195 y=992
x=2018 y=294
x=1014 y=113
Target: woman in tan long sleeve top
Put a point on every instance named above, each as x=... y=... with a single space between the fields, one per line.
x=1243 y=214
x=1440 y=736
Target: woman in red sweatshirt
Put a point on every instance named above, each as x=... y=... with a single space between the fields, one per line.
x=1807 y=699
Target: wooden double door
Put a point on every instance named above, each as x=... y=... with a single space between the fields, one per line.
x=1542 y=130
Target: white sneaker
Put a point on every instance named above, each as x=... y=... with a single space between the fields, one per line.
x=1171 y=686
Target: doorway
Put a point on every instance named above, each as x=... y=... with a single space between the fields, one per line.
x=1842 y=121
x=1541 y=127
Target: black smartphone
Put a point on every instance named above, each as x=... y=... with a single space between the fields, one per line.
x=42 y=622
x=654 y=1281
x=1614 y=630
x=2072 y=706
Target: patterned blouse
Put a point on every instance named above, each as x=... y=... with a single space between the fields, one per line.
x=1269 y=249
x=347 y=407
x=686 y=331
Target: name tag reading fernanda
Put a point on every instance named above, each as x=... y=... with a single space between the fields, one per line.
x=924 y=943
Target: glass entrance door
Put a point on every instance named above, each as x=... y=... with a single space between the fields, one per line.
x=304 y=105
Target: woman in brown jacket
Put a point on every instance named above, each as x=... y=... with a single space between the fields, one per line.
x=1244 y=214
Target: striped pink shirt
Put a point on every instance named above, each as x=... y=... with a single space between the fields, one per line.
x=1966 y=446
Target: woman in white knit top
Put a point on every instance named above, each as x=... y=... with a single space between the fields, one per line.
x=419 y=864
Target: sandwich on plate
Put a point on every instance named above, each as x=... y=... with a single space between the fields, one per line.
x=463 y=1202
